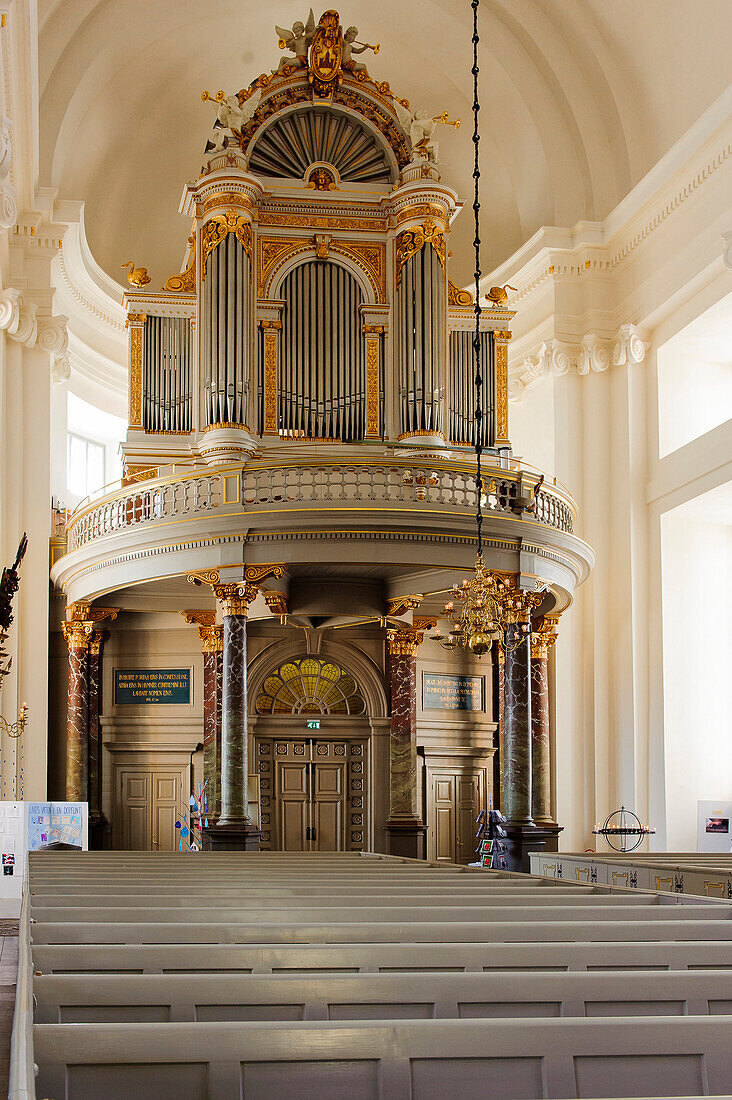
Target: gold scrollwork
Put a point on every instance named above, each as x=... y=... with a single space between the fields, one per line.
x=372 y=333
x=185 y=281
x=135 y=373
x=457 y=298
x=501 y=393
x=270 y=375
x=410 y=241
x=218 y=228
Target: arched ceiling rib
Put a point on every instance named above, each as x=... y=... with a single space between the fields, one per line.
x=572 y=93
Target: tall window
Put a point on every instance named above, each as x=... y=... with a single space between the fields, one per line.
x=85 y=465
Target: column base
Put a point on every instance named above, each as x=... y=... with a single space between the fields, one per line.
x=522 y=839
x=407 y=839
x=97 y=827
x=230 y=838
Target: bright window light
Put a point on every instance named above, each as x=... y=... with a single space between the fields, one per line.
x=85 y=465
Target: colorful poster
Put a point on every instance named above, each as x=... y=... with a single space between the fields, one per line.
x=57 y=825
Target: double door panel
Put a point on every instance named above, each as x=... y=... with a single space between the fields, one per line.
x=311 y=797
x=147 y=802
x=456 y=796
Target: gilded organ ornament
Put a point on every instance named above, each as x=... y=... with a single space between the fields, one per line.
x=410 y=241
x=218 y=228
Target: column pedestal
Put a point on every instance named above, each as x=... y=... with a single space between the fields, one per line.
x=230 y=838
x=523 y=839
x=408 y=840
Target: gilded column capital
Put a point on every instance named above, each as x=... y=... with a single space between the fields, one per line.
x=403 y=642
x=502 y=335
x=543 y=636
x=269 y=324
x=78 y=634
x=234 y=597
x=212 y=638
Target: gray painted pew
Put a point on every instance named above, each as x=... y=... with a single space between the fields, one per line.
x=183 y=998
x=424 y=1060
x=493 y=931
x=386 y=957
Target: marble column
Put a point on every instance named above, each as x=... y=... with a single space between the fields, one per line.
x=517 y=724
x=501 y=663
x=81 y=631
x=212 y=639
x=234 y=769
x=404 y=828
x=542 y=637
x=94 y=659
x=77 y=635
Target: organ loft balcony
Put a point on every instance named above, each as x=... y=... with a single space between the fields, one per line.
x=302 y=391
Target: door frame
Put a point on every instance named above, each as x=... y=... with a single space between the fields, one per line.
x=452 y=759
x=265 y=730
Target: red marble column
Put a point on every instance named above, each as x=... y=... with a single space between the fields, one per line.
x=517 y=717
x=405 y=831
x=77 y=635
x=501 y=718
x=212 y=638
x=94 y=659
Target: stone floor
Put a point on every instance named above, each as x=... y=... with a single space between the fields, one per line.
x=8 y=976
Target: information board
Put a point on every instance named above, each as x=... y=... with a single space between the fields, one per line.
x=57 y=823
x=451 y=691
x=145 y=686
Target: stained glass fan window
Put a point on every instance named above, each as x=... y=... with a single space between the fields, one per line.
x=310 y=686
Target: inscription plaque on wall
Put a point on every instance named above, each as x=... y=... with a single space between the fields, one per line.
x=449 y=691
x=143 y=686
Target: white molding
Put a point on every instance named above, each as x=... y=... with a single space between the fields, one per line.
x=594 y=354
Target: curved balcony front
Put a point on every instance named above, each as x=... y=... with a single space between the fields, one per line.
x=400 y=513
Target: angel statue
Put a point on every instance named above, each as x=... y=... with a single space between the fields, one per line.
x=420 y=126
x=297 y=41
x=351 y=46
x=231 y=118
x=9 y=585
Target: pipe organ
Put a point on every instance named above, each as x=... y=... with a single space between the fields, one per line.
x=314 y=302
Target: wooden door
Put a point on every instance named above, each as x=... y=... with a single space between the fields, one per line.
x=455 y=796
x=328 y=797
x=148 y=799
x=293 y=805
x=312 y=800
x=443 y=816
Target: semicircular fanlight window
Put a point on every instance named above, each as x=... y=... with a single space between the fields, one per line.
x=288 y=147
x=310 y=686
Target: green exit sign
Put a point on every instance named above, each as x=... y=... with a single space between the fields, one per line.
x=313 y=724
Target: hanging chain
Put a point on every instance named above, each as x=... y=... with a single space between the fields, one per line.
x=476 y=243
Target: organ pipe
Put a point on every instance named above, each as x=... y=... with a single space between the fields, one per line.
x=420 y=342
x=461 y=388
x=227 y=334
x=166 y=375
x=322 y=377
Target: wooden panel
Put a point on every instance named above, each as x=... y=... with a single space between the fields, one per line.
x=468 y=803
x=168 y=797
x=443 y=816
x=328 y=816
x=292 y=806
x=133 y=810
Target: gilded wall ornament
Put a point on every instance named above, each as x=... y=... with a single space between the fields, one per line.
x=457 y=298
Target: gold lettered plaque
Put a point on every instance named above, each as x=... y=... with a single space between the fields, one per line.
x=448 y=691
x=326 y=53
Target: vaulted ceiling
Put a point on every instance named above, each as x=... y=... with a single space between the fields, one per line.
x=580 y=99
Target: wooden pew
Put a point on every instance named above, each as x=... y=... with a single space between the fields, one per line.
x=387 y=957
x=424 y=1060
x=182 y=998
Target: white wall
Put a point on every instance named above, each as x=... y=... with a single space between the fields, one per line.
x=697 y=659
x=695 y=378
